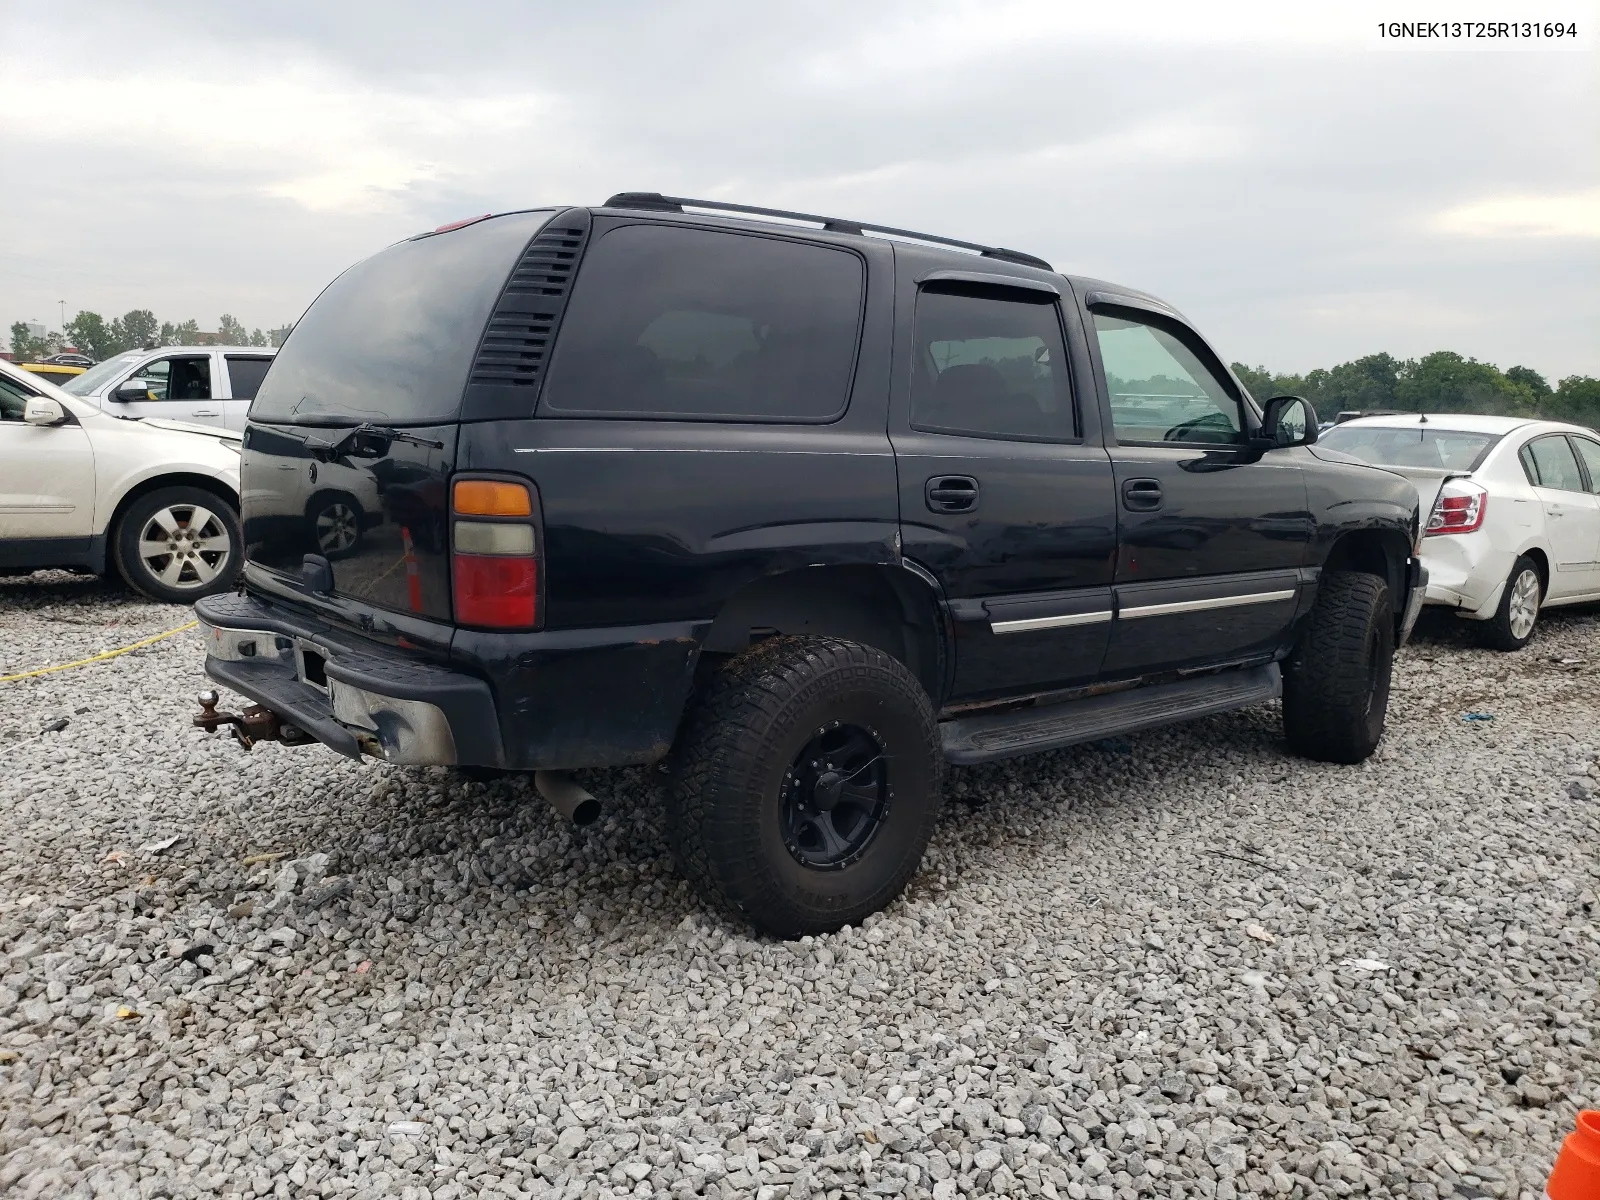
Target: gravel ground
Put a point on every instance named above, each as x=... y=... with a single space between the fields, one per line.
x=1181 y=964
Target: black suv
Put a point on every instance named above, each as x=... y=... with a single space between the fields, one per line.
x=804 y=508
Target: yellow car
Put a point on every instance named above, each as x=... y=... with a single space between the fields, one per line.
x=56 y=373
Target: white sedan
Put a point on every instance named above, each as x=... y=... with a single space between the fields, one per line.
x=1514 y=506
x=79 y=489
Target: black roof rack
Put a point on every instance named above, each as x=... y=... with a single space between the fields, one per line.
x=656 y=202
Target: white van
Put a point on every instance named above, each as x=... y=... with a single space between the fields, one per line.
x=202 y=385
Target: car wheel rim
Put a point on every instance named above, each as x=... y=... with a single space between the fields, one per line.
x=185 y=546
x=836 y=795
x=336 y=528
x=1524 y=603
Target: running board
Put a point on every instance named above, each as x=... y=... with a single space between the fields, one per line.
x=986 y=737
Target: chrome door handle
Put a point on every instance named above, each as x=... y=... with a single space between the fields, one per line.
x=204 y=412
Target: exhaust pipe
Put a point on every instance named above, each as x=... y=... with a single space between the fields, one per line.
x=566 y=797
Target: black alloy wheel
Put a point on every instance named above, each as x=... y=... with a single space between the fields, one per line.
x=836 y=795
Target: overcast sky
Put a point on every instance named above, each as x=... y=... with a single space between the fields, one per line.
x=1304 y=194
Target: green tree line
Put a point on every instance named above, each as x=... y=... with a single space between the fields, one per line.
x=91 y=334
x=1439 y=382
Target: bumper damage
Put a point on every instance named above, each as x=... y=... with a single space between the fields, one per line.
x=308 y=685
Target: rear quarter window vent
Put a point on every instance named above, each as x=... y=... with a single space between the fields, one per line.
x=511 y=359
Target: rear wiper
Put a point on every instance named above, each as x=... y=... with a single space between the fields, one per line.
x=383 y=433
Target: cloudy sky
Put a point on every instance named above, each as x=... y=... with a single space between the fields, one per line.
x=1305 y=193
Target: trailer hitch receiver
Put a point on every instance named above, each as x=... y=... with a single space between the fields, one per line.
x=256 y=724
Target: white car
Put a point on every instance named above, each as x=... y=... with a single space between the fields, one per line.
x=202 y=385
x=83 y=490
x=1514 y=508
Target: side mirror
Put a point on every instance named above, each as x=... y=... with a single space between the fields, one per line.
x=132 y=390
x=1288 y=421
x=42 y=410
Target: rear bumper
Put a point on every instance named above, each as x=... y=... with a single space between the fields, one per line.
x=367 y=701
x=558 y=699
x=1467 y=572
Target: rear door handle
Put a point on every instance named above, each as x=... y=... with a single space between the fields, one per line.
x=951 y=494
x=204 y=412
x=1141 y=495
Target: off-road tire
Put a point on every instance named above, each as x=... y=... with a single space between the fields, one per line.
x=1336 y=682
x=138 y=573
x=1497 y=632
x=744 y=733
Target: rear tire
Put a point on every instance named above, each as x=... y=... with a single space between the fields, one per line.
x=1511 y=627
x=177 y=544
x=1336 y=682
x=806 y=785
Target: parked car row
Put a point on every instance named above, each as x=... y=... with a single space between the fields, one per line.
x=155 y=500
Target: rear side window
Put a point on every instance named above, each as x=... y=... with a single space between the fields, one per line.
x=691 y=324
x=990 y=367
x=1550 y=463
x=1590 y=453
x=246 y=374
x=392 y=339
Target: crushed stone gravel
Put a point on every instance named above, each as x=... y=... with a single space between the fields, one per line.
x=1179 y=965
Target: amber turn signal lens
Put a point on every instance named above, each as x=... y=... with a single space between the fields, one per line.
x=491 y=498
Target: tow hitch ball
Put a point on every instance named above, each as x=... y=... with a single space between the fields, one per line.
x=256 y=724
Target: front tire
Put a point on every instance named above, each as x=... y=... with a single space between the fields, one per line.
x=806 y=785
x=1511 y=627
x=177 y=544
x=1336 y=682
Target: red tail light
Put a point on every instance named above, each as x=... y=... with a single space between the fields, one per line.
x=1460 y=508
x=495 y=556
x=501 y=593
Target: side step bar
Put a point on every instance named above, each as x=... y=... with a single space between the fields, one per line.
x=989 y=736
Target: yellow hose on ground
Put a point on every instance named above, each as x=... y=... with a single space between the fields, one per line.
x=84 y=662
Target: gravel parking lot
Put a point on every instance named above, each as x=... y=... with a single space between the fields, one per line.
x=1177 y=965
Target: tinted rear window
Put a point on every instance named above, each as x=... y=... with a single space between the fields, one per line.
x=245 y=375
x=1413 y=446
x=990 y=367
x=693 y=324
x=392 y=339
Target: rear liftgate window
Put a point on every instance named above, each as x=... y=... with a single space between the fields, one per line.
x=391 y=340
x=690 y=324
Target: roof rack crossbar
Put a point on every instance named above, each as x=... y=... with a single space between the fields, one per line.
x=657 y=202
